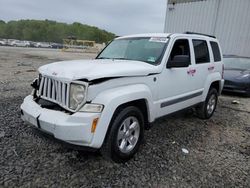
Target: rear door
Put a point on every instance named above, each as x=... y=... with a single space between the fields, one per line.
x=202 y=59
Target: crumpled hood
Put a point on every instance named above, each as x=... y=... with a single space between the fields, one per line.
x=99 y=68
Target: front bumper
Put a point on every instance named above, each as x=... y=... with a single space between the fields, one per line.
x=235 y=90
x=234 y=87
x=74 y=129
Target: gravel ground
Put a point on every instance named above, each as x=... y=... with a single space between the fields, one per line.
x=219 y=148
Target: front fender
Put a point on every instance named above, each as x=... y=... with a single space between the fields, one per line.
x=111 y=99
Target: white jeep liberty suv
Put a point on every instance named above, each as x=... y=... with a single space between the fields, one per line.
x=107 y=103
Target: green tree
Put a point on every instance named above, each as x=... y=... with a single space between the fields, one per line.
x=51 y=31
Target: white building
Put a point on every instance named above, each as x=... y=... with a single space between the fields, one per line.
x=228 y=20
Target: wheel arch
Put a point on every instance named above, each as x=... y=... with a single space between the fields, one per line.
x=141 y=104
x=114 y=100
x=216 y=85
x=214 y=80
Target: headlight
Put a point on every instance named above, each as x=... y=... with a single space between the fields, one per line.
x=77 y=95
x=245 y=76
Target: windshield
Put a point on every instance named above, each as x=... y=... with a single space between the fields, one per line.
x=237 y=63
x=148 y=49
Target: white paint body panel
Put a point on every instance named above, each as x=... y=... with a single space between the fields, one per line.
x=130 y=81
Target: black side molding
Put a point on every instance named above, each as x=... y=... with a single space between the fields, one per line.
x=181 y=99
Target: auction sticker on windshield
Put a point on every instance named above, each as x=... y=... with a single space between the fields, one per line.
x=158 y=39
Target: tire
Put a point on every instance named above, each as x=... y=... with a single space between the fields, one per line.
x=123 y=139
x=207 y=108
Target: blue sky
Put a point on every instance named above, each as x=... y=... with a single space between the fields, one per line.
x=119 y=16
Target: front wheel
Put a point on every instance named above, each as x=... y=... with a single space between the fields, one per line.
x=207 y=108
x=125 y=135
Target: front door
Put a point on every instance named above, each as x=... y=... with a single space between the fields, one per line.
x=177 y=85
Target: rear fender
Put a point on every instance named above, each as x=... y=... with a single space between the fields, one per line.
x=210 y=79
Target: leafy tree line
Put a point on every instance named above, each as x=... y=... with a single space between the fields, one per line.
x=51 y=31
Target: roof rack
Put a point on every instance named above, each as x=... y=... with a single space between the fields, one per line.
x=194 y=33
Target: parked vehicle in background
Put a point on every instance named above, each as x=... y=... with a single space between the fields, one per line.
x=32 y=44
x=18 y=43
x=3 y=42
x=9 y=41
x=56 y=46
x=237 y=75
x=107 y=103
x=43 y=45
x=75 y=47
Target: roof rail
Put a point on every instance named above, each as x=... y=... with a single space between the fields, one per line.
x=194 y=33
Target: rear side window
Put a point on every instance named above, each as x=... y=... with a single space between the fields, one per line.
x=201 y=51
x=216 y=51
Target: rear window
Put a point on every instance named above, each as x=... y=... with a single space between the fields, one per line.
x=201 y=51
x=216 y=51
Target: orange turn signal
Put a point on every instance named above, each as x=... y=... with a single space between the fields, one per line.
x=94 y=124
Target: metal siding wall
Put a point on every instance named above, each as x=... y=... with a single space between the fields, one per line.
x=232 y=26
x=191 y=16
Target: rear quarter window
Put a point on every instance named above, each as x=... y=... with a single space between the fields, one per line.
x=216 y=51
x=201 y=51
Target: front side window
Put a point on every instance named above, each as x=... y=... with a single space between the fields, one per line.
x=146 y=49
x=180 y=48
x=201 y=51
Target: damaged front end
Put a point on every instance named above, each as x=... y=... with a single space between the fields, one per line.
x=57 y=94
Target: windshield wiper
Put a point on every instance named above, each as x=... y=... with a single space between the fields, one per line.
x=121 y=58
x=104 y=58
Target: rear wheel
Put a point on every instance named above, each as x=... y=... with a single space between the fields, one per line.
x=207 y=108
x=125 y=135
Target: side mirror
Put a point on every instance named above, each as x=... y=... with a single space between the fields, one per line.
x=179 y=61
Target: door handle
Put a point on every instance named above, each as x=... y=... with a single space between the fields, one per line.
x=191 y=72
x=210 y=68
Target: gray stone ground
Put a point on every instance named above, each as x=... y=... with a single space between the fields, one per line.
x=219 y=148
